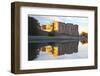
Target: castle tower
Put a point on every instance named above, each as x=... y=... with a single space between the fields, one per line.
x=55 y=24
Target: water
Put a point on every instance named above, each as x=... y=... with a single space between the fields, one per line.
x=54 y=50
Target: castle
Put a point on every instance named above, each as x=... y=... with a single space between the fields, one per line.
x=53 y=49
x=60 y=49
x=60 y=28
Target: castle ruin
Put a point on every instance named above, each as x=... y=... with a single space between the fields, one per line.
x=61 y=28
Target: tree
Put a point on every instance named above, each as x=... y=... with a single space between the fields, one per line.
x=84 y=34
x=33 y=26
x=84 y=37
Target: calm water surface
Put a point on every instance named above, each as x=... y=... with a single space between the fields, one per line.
x=52 y=51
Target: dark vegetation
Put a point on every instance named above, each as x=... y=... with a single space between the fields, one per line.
x=33 y=26
x=84 y=37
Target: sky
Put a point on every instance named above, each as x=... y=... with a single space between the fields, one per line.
x=81 y=21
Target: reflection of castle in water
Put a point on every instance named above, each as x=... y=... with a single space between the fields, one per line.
x=60 y=49
x=54 y=49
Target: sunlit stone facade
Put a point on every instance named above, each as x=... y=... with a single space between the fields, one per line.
x=50 y=26
x=60 y=49
x=50 y=50
x=61 y=28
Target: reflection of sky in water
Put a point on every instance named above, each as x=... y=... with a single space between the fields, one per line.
x=69 y=50
x=82 y=53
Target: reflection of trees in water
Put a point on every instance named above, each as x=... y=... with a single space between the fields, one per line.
x=55 y=49
x=32 y=51
x=84 y=40
x=84 y=34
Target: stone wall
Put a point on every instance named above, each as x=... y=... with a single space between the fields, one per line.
x=68 y=29
x=60 y=29
x=68 y=48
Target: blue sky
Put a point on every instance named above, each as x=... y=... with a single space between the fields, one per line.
x=81 y=21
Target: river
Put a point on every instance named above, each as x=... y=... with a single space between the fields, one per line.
x=57 y=50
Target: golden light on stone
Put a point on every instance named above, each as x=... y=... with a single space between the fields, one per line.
x=56 y=24
x=50 y=50
x=52 y=26
x=55 y=51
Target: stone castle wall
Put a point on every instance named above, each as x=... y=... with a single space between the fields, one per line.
x=60 y=29
x=68 y=29
x=68 y=48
